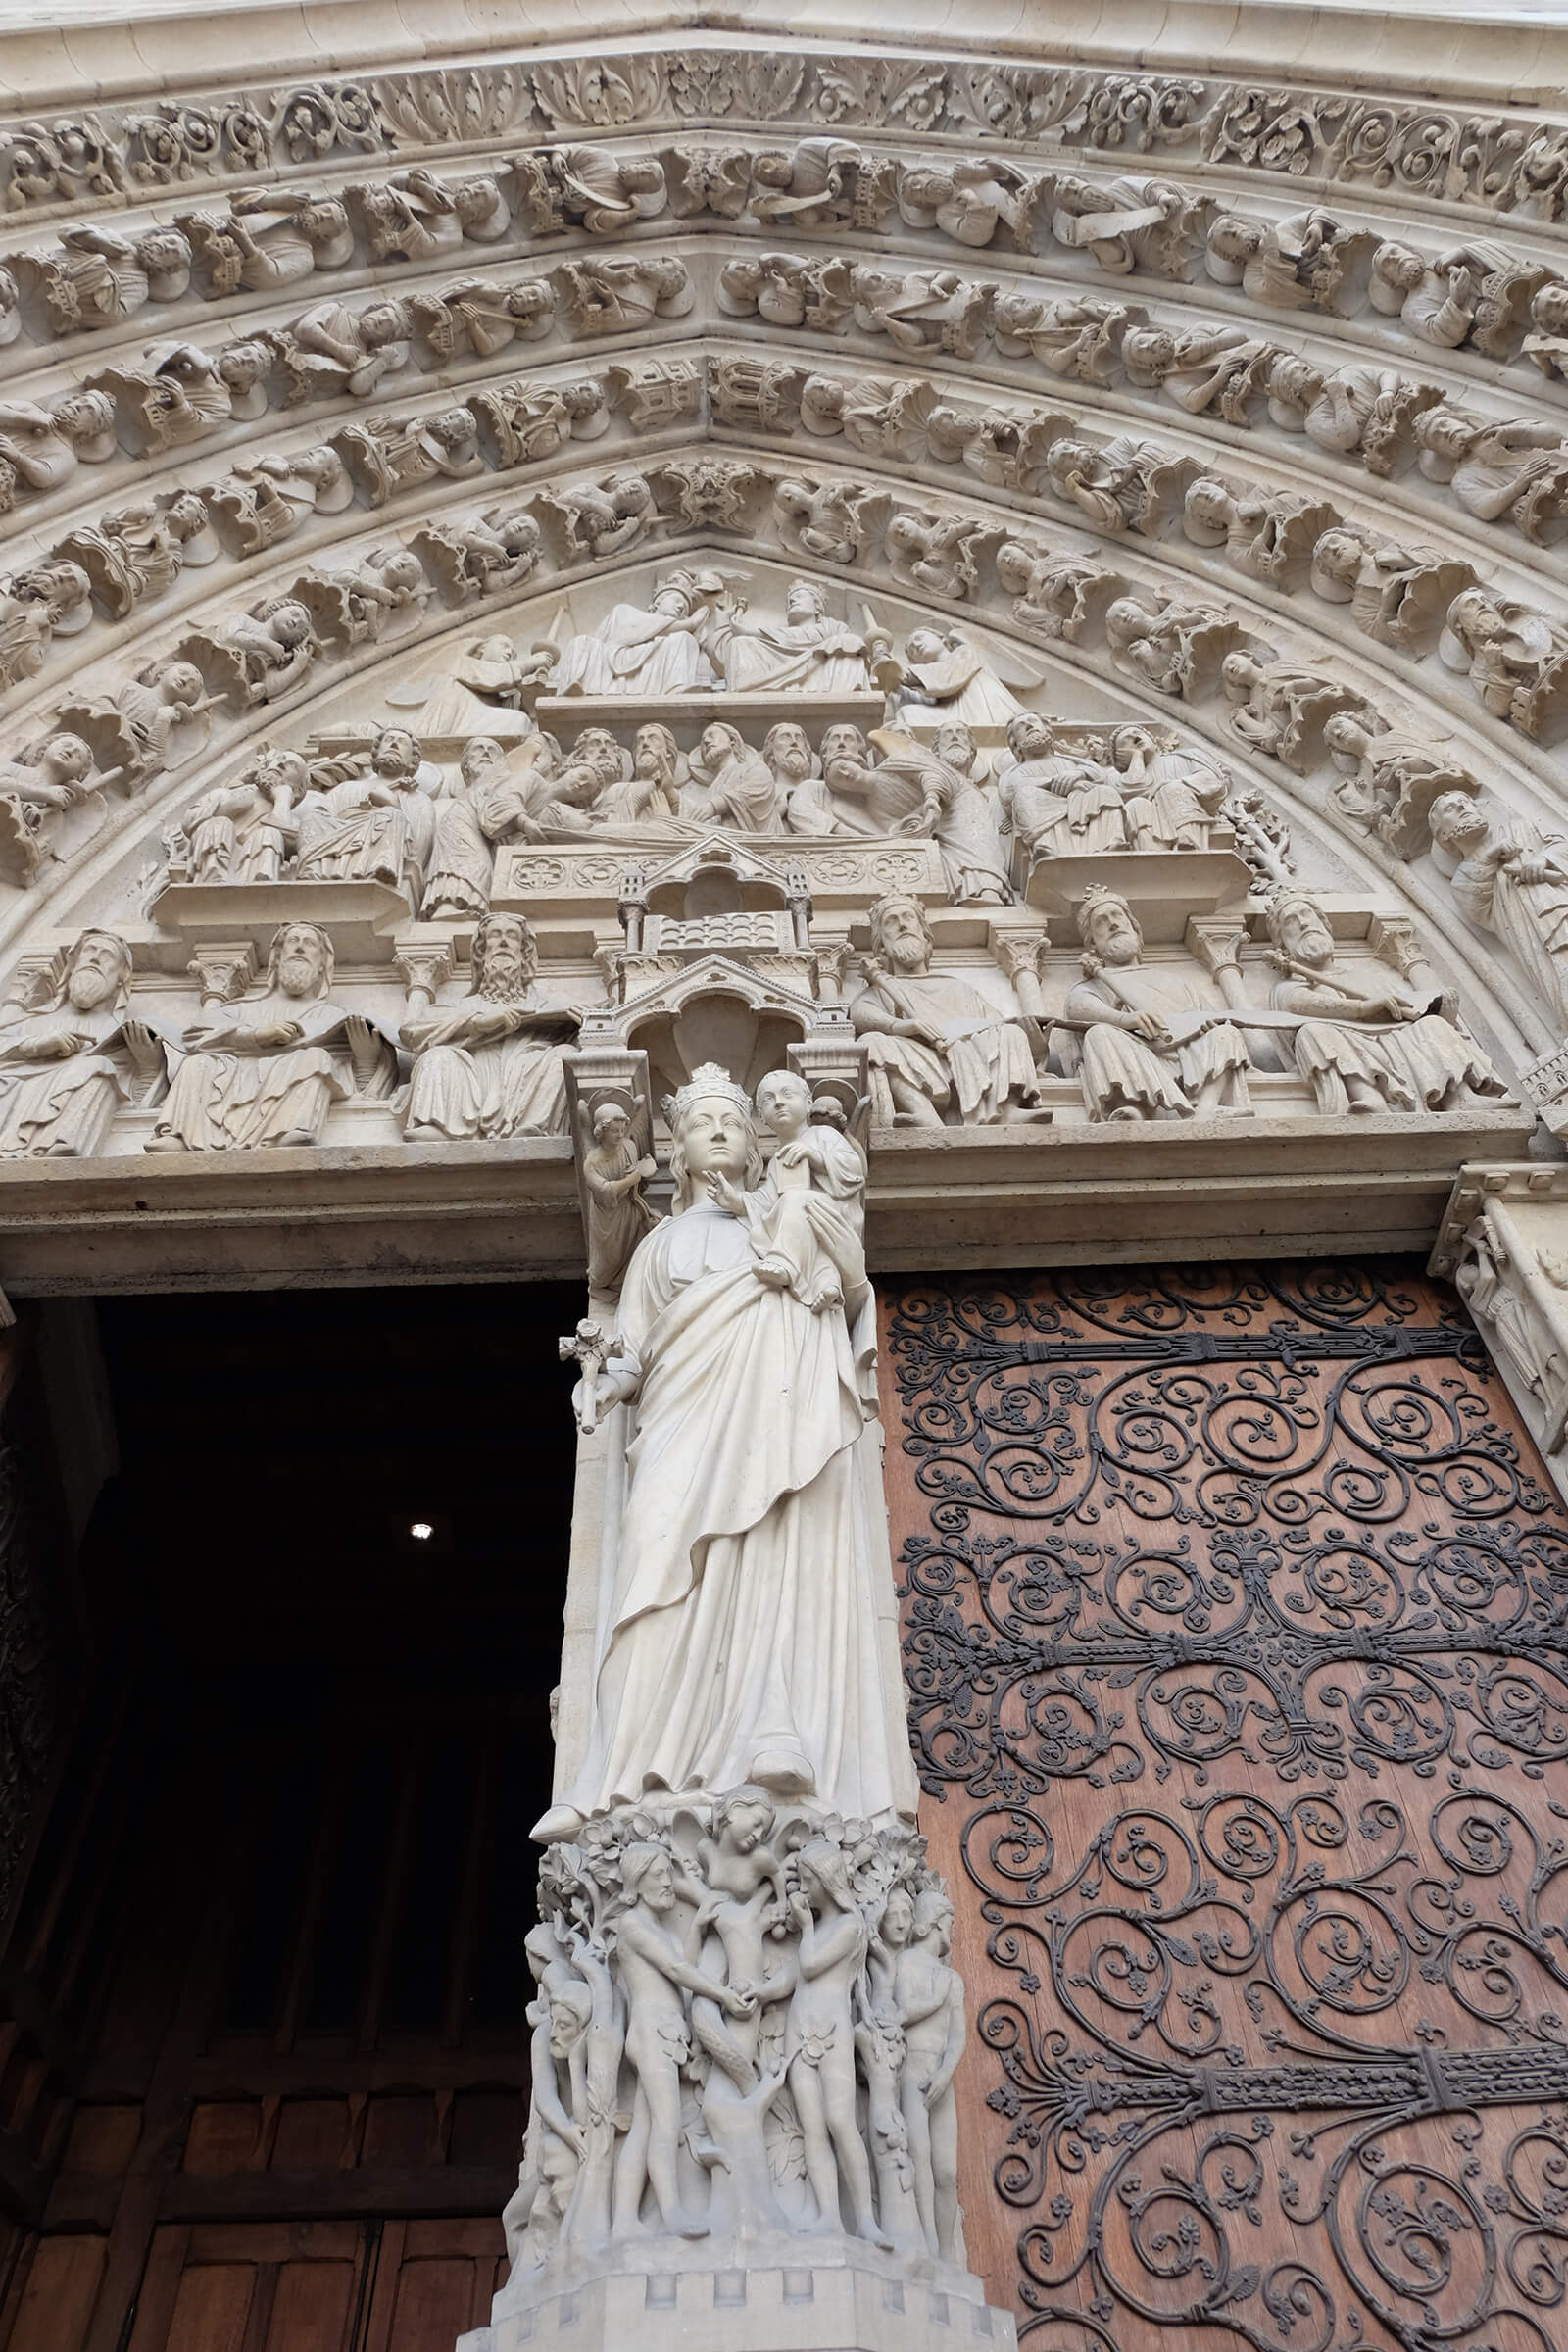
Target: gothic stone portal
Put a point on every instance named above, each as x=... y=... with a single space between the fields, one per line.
x=1234 y=1608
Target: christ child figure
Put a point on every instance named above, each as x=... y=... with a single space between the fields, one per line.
x=807 y=1215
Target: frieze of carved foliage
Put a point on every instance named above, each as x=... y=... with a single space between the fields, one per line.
x=915 y=775
x=1506 y=163
x=1235 y=1640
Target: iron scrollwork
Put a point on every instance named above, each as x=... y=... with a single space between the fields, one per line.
x=1236 y=1630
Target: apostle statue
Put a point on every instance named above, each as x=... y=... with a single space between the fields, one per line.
x=373 y=824
x=944 y=677
x=244 y=831
x=1364 y=1050
x=267 y=1070
x=807 y=652
x=1152 y=1046
x=66 y=1068
x=935 y=1043
x=489 y=803
x=1512 y=879
x=730 y=783
x=1060 y=803
x=634 y=650
x=491 y=1064
x=749 y=1471
x=957 y=807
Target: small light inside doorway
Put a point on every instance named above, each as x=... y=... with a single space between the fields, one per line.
x=422 y=1531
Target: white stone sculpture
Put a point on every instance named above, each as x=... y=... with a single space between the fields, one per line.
x=957 y=805
x=1069 y=337
x=490 y=1064
x=1397 y=594
x=266 y=499
x=1059 y=803
x=266 y=1071
x=730 y=783
x=1177 y=650
x=615 y=1169
x=645 y=650
x=806 y=651
x=1366 y=1051
x=68 y=1065
x=807 y=1215
x=801 y=790
x=41 y=785
x=1175 y=793
x=1512 y=879
x=1280 y=709
x=1152 y=1045
x=489 y=803
x=775 y=1529
x=369 y=817
x=936 y=1043
x=1515 y=657
x=1053 y=597
x=245 y=831
x=1392 y=778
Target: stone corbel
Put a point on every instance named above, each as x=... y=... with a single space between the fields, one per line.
x=1395 y=942
x=597 y=1075
x=834 y=1067
x=223 y=968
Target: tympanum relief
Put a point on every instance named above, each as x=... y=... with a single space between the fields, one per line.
x=881 y=835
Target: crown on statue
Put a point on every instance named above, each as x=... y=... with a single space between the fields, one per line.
x=1098 y=895
x=709 y=1078
x=1278 y=902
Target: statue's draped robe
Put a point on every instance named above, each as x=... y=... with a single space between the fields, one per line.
x=633 y=651
x=67 y=1101
x=742 y=1617
x=985 y=1059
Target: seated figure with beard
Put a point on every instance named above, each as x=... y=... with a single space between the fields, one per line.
x=62 y=1078
x=730 y=783
x=937 y=1044
x=799 y=782
x=491 y=1064
x=267 y=1070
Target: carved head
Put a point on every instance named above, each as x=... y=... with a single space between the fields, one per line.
x=84 y=416
x=788 y=752
x=572 y=2009
x=1549 y=307
x=824 y=1870
x=712 y=1133
x=323 y=220
x=924 y=645
x=933 y=1918
x=300 y=961
x=506 y=956
x=1239 y=674
x=481 y=757
x=649 y=1876
x=395 y=755
x=1400 y=267
x=1234 y=240
x=743 y=1819
x=1347 y=737
x=899 y=933
x=957 y=747
x=1108 y=929
x=1208 y=508
x=897 y=1917
x=187 y=515
x=473 y=201
x=289 y=623
x=97 y=971
x=164 y=253
x=1299 y=934
x=1030 y=737
x=385 y=322
x=276 y=770
x=181 y=684
x=243 y=366
x=784 y=1103
x=674 y=595
x=1457 y=823
x=66 y=759
x=654 y=752
x=612 y=1123
x=721 y=742
x=803 y=601
x=842 y=740
x=1015 y=567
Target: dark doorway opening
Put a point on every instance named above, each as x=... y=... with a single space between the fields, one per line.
x=272 y=1934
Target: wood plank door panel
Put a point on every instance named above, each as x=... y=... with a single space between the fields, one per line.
x=1234 y=1608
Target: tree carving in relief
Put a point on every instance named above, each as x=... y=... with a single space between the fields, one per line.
x=1235 y=1638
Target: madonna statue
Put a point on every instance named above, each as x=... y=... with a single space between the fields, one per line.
x=742 y=1644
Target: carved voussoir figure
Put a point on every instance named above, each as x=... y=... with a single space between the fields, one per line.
x=68 y=1066
x=267 y=1070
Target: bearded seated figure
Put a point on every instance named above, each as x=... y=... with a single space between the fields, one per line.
x=489 y=1065
x=267 y=1071
x=933 y=1042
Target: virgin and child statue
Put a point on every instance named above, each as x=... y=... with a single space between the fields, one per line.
x=743 y=1640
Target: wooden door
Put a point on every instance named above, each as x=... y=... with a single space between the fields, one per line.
x=1235 y=1605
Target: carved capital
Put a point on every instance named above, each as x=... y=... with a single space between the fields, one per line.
x=425 y=966
x=223 y=968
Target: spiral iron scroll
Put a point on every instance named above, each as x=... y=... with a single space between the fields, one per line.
x=1236 y=1635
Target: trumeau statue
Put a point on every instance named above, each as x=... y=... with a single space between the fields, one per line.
x=711 y=1329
